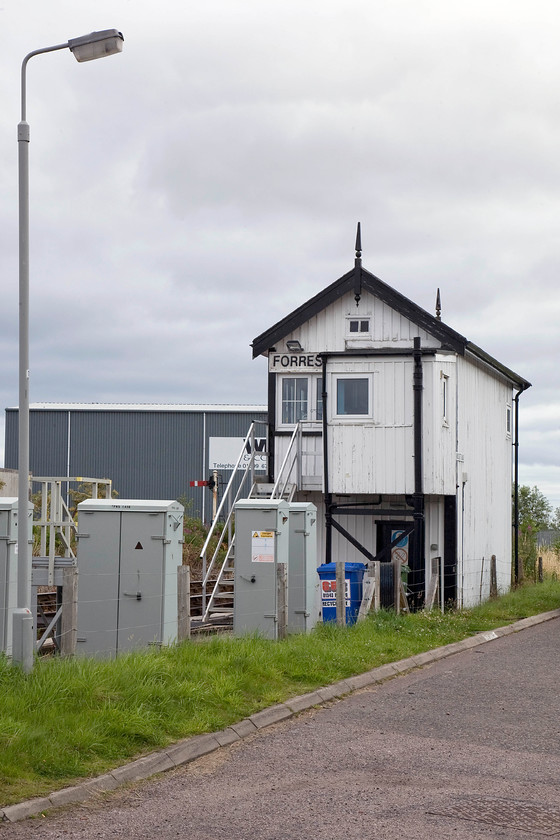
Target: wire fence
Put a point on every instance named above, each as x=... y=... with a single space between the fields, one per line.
x=109 y=612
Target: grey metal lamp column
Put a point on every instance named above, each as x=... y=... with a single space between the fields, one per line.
x=86 y=48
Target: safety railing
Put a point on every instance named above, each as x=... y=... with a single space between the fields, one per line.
x=221 y=533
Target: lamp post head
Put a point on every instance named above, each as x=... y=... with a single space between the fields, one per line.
x=96 y=44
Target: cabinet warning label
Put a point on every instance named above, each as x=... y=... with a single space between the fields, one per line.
x=262 y=547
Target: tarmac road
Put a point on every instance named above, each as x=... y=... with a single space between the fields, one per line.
x=468 y=747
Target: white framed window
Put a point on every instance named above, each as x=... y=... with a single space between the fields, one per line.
x=508 y=421
x=353 y=396
x=299 y=398
x=358 y=326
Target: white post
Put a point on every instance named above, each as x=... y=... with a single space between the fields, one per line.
x=214 y=494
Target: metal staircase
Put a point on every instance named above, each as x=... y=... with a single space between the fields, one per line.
x=218 y=593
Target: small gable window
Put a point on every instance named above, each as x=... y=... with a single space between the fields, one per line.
x=358 y=325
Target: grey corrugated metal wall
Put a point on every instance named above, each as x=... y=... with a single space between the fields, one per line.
x=147 y=454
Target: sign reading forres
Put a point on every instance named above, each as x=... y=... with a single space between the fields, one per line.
x=294 y=361
x=223 y=453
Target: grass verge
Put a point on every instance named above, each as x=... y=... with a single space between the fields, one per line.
x=71 y=719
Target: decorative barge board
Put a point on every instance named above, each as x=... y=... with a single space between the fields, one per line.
x=407 y=434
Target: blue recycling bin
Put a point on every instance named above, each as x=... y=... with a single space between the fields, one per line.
x=353 y=577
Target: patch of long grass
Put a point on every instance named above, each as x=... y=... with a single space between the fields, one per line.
x=75 y=718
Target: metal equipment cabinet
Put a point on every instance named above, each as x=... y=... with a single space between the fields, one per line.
x=128 y=554
x=8 y=566
x=261 y=544
x=303 y=581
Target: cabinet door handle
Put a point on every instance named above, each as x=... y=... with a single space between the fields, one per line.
x=137 y=595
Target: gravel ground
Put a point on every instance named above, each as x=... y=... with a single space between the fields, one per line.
x=468 y=747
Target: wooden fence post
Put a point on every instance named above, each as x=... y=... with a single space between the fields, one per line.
x=540 y=566
x=397 y=566
x=183 y=603
x=377 y=578
x=493 y=578
x=282 y=599
x=69 y=613
x=520 y=571
x=433 y=587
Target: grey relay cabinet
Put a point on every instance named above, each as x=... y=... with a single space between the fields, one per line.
x=8 y=566
x=128 y=553
x=261 y=543
x=303 y=581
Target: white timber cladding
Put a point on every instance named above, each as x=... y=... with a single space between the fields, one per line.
x=372 y=453
x=329 y=329
x=439 y=423
x=381 y=445
x=484 y=478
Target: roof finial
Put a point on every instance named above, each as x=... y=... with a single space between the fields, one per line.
x=359 y=242
x=438 y=306
x=358 y=266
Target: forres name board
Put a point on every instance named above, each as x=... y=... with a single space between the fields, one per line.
x=294 y=361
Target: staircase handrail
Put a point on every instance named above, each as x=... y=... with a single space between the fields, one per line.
x=295 y=437
x=207 y=570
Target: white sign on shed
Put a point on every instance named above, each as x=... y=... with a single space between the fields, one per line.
x=223 y=453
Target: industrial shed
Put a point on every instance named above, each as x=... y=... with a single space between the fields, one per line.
x=148 y=451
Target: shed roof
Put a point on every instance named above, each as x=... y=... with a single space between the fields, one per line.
x=138 y=407
x=358 y=279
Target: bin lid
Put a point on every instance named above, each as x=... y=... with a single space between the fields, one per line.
x=348 y=567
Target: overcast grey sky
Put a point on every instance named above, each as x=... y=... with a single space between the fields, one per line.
x=188 y=193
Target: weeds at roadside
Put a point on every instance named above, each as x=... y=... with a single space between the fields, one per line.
x=78 y=717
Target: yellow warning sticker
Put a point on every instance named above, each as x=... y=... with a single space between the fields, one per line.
x=262 y=547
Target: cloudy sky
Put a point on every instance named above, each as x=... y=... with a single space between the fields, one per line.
x=188 y=193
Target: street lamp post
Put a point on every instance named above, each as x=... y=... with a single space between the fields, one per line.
x=86 y=48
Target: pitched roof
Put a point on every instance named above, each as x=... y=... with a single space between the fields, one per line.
x=358 y=279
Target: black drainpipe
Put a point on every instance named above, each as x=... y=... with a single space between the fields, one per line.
x=271 y=426
x=418 y=570
x=328 y=497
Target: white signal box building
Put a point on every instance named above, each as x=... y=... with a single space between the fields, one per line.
x=405 y=435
